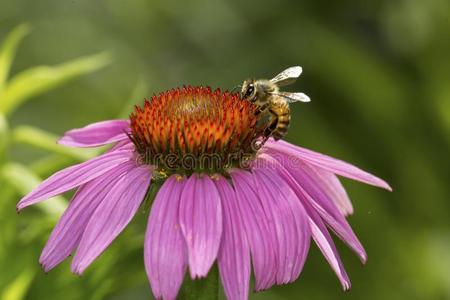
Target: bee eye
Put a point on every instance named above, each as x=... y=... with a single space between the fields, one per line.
x=249 y=91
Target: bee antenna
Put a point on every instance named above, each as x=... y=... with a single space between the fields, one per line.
x=235 y=88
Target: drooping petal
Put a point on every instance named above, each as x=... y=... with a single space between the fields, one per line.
x=165 y=252
x=290 y=220
x=330 y=184
x=326 y=245
x=319 y=231
x=325 y=206
x=74 y=176
x=334 y=189
x=234 y=253
x=67 y=233
x=201 y=223
x=97 y=134
x=258 y=228
x=326 y=162
x=112 y=216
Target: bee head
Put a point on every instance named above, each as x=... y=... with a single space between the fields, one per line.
x=248 y=90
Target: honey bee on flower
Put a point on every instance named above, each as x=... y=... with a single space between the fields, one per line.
x=273 y=104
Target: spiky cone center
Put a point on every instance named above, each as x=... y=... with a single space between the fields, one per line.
x=195 y=129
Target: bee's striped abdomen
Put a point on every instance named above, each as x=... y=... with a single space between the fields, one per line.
x=281 y=110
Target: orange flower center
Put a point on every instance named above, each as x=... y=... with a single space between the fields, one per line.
x=195 y=129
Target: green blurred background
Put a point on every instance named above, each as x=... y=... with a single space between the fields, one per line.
x=378 y=73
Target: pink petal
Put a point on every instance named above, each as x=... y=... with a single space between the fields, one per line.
x=112 y=216
x=325 y=206
x=67 y=233
x=318 y=230
x=122 y=145
x=74 y=176
x=258 y=228
x=165 y=252
x=334 y=189
x=290 y=220
x=326 y=162
x=234 y=253
x=97 y=134
x=326 y=245
x=201 y=223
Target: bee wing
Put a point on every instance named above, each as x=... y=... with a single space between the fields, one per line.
x=288 y=76
x=294 y=97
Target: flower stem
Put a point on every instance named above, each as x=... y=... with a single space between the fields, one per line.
x=201 y=289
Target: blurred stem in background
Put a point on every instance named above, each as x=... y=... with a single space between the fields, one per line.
x=8 y=51
x=201 y=289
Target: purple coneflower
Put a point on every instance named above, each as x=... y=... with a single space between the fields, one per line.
x=222 y=199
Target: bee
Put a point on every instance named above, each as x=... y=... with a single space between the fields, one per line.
x=273 y=105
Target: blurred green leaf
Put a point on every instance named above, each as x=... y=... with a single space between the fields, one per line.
x=18 y=288
x=8 y=51
x=23 y=180
x=37 y=80
x=47 y=141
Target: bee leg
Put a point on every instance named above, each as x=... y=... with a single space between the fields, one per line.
x=265 y=139
x=272 y=126
x=261 y=109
